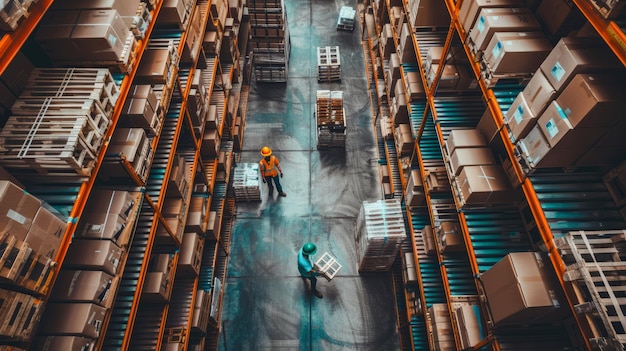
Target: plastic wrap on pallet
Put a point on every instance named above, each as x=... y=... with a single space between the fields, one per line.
x=380 y=231
x=246 y=182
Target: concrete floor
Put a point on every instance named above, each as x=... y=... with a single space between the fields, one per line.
x=267 y=306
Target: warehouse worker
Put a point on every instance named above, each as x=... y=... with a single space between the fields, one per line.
x=305 y=266
x=270 y=168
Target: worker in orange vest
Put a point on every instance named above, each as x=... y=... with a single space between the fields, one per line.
x=270 y=168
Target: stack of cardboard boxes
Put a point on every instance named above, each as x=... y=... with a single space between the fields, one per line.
x=441 y=327
x=568 y=114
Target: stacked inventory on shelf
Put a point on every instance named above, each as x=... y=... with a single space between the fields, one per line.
x=346 y=18
x=379 y=233
x=330 y=119
x=59 y=122
x=247 y=182
x=12 y=12
x=595 y=271
x=328 y=64
x=270 y=41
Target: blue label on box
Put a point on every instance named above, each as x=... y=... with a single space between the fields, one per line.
x=558 y=71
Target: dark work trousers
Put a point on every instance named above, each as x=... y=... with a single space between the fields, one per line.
x=313 y=280
x=276 y=179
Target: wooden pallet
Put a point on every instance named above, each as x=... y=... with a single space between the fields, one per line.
x=346 y=18
x=98 y=118
x=49 y=144
x=596 y=276
x=328 y=63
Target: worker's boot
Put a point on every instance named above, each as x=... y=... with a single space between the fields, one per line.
x=283 y=194
x=318 y=294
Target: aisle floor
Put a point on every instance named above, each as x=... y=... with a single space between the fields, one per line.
x=267 y=305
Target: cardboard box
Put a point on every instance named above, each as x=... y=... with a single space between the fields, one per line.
x=473 y=156
x=54 y=34
x=571 y=56
x=519 y=289
x=428 y=236
x=106 y=215
x=538 y=92
x=450 y=237
x=484 y=184
x=77 y=319
x=196 y=216
x=464 y=138
x=154 y=67
x=82 y=286
x=159 y=281
x=17 y=210
x=492 y=20
x=441 y=327
x=516 y=52
x=125 y=8
x=466 y=318
x=429 y=13
x=65 y=343
x=173 y=12
x=519 y=118
x=190 y=256
x=533 y=147
x=560 y=16
x=554 y=123
x=593 y=100
x=101 y=255
x=45 y=234
x=100 y=35
x=470 y=8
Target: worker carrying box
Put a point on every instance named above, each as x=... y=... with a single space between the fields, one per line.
x=327 y=266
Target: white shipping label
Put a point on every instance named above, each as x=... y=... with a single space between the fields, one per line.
x=16 y=217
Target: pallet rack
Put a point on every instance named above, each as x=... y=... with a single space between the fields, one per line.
x=489 y=232
x=134 y=319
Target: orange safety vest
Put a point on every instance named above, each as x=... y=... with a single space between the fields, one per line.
x=268 y=169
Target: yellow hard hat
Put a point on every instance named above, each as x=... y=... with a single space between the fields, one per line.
x=266 y=151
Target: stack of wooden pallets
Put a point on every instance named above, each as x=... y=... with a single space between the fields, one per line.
x=330 y=119
x=596 y=275
x=270 y=40
x=380 y=232
x=58 y=122
x=246 y=182
x=328 y=64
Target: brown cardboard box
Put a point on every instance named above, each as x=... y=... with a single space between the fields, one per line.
x=54 y=34
x=133 y=145
x=415 y=197
x=101 y=255
x=158 y=282
x=100 y=35
x=593 y=100
x=172 y=12
x=571 y=56
x=429 y=240
x=404 y=139
x=560 y=16
x=484 y=184
x=534 y=147
x=466 y=318
x=200 y=318
x=106 y=216
x=190 y=256
x=413 y=85
x=196 y=216
x=519 y=289
x=154 y=67
x=144 y=91
x=441 y=327
x=492 y=20
x=213 y=225
x=17 y=210
x=519 y=118
x=516 y=52
x=45 y=234
x=538 y=93
x=554 y=124
x=64 y=343
x=430 y=13
x=450 y=237
x=78 y=319
x=124 y=7
x=137 y=112
x=473 y=156
x=464 y=138
x=470 y=8
x=82 y=286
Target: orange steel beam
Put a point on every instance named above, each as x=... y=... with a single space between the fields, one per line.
x=608 y=30
x=11 y=42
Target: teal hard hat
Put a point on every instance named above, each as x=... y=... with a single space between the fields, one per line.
x=309 y=249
